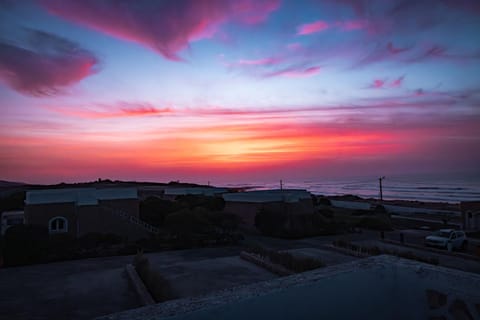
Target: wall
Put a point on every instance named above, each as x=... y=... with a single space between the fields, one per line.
x=128 y=206
x=96 y=219
x=40 y=214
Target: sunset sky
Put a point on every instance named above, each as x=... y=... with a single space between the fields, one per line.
x=219 y=90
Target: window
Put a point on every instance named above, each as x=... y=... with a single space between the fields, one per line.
x=14 y=221
x=58 y=225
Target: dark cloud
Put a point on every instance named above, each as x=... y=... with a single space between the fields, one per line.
x=163 y=26
x=44 y=64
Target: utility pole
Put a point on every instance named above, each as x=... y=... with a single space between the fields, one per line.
x=281 y=185
x=380 y=184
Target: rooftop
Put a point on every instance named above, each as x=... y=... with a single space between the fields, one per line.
x=195 y=191
x=275 y=195
x=79 y=196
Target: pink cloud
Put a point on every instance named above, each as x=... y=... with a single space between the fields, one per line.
x=258 y=62
x=293 y=72
x=120 y=109
x=351 y=25
x=441 y=52
x=46 y=65
x=166 y=27
x=397 y=82
x=378 y=84
x=393 y=50
x=384 y=83
x=313 y=27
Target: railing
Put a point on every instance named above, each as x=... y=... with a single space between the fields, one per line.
x=132 y=219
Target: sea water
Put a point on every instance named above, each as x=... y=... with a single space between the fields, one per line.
x=429 y=189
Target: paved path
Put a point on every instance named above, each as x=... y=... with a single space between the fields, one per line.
x=79 y=289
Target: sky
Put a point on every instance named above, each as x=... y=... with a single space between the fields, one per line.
x=238 y=90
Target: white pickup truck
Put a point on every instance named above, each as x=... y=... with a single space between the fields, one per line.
x=447 y=238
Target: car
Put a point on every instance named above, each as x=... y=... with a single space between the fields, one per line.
x=444 y=238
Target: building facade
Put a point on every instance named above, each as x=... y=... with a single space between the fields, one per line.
x=85 y=210
x=470 y=215
x=246 y=205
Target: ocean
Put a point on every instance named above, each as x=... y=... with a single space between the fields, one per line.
x=394 y=188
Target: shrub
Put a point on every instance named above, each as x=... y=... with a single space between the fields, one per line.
x=271 y=223
x=25 y=244
x=375 y=250
x=326 y=212
x=13 y=201
x=192 y=201
x=361 y=212
x=94 y=239
x=154 y=210
x=379 y=209
x=287 y=260
x=381 y=223
x=323 y=201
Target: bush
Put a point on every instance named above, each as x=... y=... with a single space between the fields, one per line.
x=323 y=201
x=193 y=201
x=25 y=244
x=96 y=239
x=14 y=201
x=374 y=250
x=379 y=209
x=361 y=212
x=381 y=223
x=272 y=223
x=287 y=260
x=154 y=210
x=326 y=212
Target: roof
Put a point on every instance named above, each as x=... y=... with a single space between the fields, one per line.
x=275 y=195
x=193 y=190
x=79 y=196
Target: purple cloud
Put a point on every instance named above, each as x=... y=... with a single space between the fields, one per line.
x=294 y=72
x=166 y=27
x=44 y=65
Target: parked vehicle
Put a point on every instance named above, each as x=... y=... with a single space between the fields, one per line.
x=447 y=238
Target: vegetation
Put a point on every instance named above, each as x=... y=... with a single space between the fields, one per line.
x=154 y=210
x=287 y=260
x=25 y=244
x=326 y=221
x=157 y=285
x=375 y=250
x=30 y=244
x=14 y=201
x=190 y=221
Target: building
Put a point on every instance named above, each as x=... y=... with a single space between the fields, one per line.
x=79 y=211
x=11 y=218
x=246 y=205
x=470 y=215
x=172 y=192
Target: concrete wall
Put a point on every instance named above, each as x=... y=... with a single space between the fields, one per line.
x=129 y=206
x=40 y=214
x=96 y=219
x=86 y=219
x=470 y=215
